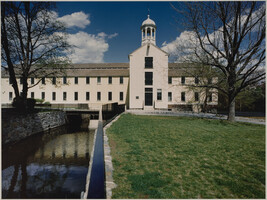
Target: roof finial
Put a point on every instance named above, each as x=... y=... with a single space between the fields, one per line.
x=148 y=11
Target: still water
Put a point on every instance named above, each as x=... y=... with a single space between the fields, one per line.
x=50 y=165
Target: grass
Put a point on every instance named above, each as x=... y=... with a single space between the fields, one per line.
x=177 y=157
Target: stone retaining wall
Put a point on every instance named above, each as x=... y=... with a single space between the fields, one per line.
x=16 y=128
x=110 y=185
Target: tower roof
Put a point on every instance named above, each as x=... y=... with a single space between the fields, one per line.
x=148 y=21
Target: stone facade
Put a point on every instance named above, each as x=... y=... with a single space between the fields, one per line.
x=16 y=128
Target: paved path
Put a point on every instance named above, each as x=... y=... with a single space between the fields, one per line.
x=188 y=114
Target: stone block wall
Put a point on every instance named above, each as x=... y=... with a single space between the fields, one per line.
x=16 y=128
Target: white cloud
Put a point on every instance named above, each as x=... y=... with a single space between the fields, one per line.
x=186 y=44
x=103 y=35
x=113 y=35
x=181 y=46
x=88 y=48
x=78 y=19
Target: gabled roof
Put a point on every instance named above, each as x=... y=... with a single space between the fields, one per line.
x=146 y=45
x=90 y=69
x=111 y=69
x=180 y=69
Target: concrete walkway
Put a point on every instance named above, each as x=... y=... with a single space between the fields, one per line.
x=190 y=114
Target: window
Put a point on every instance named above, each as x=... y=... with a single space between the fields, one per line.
x=148 y=78
x=159 y=94
x=32 y=81
x=87 y=80
x=182 y=96
x=64 y=80
x=148 y=32
x=53 y=96
x=169 y=96
x=210 y=97
x=183 y=80
x=110 y=96
x=121 y=79
x=54 y=80
x=76 y=96
x=98 y=96
x=87 y=96
x=43 y=95
x=76 y=80
x=64 y=96
x=196 y=96
x=10 y=96
x=43 y=81
x=148 y=62
x=196 y=80
x=121 y=96
x=109 y=80
x=21 y=80
x=170 y=80
x=32 y=95
x=99 y=80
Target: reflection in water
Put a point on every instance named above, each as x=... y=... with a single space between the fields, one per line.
x=52 y=165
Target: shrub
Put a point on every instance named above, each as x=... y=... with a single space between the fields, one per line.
x=30 y=104
x=23 y=106
x=39 y=101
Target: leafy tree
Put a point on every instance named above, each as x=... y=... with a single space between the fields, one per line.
x=33 y=44
x=228 y=36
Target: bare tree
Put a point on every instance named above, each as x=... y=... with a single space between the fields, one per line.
x=228 y=36
x=33 y=43
x=206 y=79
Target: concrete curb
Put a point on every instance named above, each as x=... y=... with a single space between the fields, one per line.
x=84 y=193
x=108 y=162
x=202 y=115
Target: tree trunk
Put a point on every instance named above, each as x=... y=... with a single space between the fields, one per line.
x=231 y=110
x=5 y=45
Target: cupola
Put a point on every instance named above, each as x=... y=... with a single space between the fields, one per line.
x=148 y=31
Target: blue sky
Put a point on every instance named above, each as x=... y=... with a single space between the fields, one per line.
x=109 y=31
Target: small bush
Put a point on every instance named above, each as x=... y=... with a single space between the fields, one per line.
x=17 y=102
x=23 y=106
x=39 y=101
x=30 y=104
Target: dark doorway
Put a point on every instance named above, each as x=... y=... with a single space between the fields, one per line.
x=148 y=96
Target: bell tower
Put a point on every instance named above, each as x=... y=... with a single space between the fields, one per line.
x=148 y=31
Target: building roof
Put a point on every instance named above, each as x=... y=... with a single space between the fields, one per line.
x=111 y=69
x=98 y=69
x=148 y=22
x=148 y=44
x=179 y=69
x=90 y=69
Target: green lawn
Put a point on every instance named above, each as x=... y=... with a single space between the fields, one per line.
x=178 y=157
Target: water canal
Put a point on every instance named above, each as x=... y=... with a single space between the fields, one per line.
x=49 y=165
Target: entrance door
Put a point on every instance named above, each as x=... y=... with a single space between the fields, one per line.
x=148 y=96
